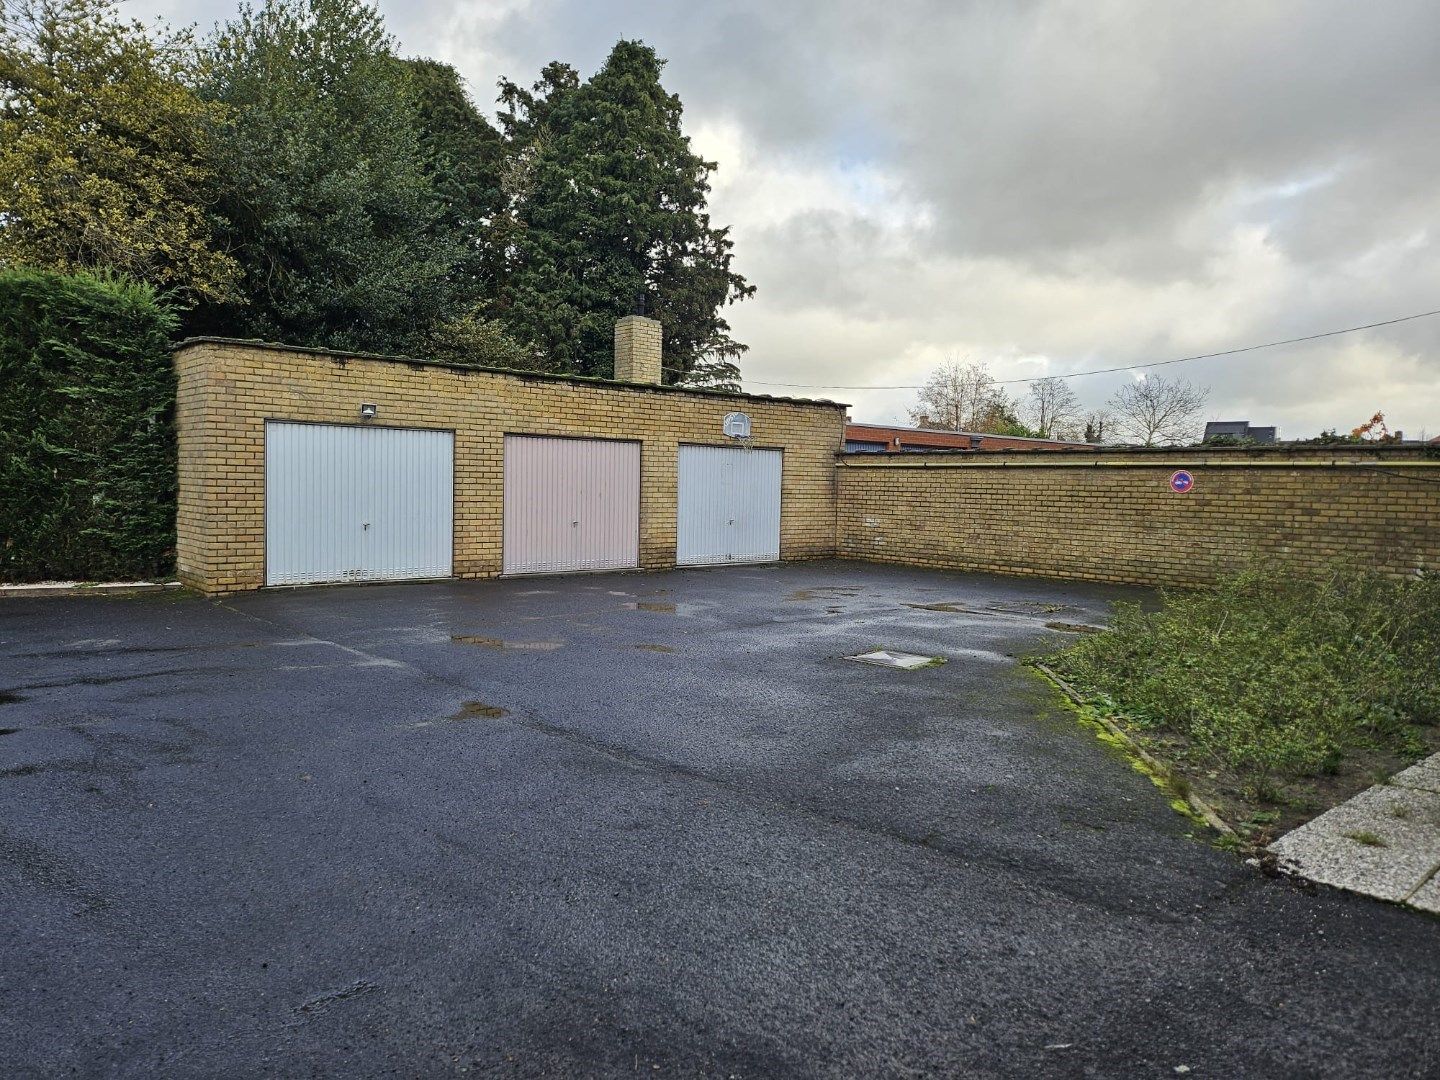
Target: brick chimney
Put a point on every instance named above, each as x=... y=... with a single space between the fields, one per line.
x=637 y=349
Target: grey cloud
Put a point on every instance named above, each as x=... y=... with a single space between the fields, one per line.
x=1095 y=183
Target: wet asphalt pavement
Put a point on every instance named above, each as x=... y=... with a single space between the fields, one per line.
x=631 y=825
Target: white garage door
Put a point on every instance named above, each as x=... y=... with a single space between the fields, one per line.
x=356 y=503
x=729 y=505
x=571 y=504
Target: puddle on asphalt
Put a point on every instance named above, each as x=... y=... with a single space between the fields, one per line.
x=1028 y=607
x=656 y=648
x=1016 y=610
x=824 y=592
x=678 y=607
x=478 y=710
x=500 y=643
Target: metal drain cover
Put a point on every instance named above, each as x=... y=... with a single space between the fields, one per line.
x=891 y=658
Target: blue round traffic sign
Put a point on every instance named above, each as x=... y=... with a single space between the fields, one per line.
x=1181 y=481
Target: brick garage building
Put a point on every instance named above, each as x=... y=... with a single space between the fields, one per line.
x=305 y=465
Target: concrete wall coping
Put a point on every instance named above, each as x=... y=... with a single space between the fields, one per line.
x=1340 y=457
x=341 y=357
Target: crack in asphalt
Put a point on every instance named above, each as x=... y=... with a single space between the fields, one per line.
x=105 y=680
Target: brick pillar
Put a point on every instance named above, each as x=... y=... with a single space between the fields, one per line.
x=637 y=350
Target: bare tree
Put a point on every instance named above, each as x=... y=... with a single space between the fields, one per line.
x=961 y=397
x=1051 y=407
x=1097 y=422
x=1151 y=409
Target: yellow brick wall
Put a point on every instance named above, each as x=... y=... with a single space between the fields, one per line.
x=1112 y=516
x=639 y=349
x=227 y=390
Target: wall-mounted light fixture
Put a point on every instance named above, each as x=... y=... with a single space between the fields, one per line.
x=368 y=411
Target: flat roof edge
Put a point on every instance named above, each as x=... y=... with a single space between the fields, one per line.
x=518 y=373
x=1191 y=454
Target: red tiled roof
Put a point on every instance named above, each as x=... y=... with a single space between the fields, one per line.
x=897 y=439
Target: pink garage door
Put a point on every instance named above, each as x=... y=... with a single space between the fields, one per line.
x=571 y=504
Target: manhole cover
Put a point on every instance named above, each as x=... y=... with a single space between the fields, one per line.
x=891 y=658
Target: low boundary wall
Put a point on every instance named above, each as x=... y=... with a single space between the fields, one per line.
x=1114 y=516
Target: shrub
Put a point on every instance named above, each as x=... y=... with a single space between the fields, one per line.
x=1273 y=676
x=87 y=440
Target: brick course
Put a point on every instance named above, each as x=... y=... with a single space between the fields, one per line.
x=227 y=390
x=1112 y=516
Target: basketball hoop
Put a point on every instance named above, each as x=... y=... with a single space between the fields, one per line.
x=737 y=427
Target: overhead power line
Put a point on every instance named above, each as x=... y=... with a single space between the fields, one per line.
x=1124 y=367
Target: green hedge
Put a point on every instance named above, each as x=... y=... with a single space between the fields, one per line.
x=87 y=434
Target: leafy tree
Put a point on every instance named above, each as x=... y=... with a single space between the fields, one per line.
x=1375 y=430
x=103 y=149
x=965 y=397
x=330 y=203
x=465 y=158
x=1153 y=409
x=1052 y=408
x=475 y=341
x=1007 y=423
x=609 y=215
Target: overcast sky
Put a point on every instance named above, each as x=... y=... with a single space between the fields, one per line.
x=1044 y=186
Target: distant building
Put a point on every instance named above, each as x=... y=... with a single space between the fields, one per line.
x=1239 y=429
x=887 y=439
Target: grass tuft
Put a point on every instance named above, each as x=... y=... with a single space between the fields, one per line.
x=1366 y=837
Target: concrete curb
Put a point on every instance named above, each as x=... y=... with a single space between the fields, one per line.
x=1383 y=842
x=110 y=588
x=1202 y=809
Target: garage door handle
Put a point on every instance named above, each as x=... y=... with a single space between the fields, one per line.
x=574 y=523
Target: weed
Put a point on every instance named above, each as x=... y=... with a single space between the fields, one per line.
x=1271 y=676
x=1366 y=837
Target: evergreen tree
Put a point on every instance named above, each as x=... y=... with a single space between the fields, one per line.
x=103 y=149
x=464 y=156
x=608 y=206
x=466 y=159
x=327 y=203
